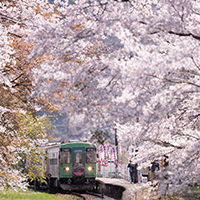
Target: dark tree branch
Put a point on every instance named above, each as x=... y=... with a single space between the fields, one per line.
x=175 y=81
x=17 y=78
x=104 y=68
x=11 y=19
x=110 y=81
x=162 y=143
x=142 y=22
x=184 y=34
x=122 y=0
x=195 y=63
x=13 y=34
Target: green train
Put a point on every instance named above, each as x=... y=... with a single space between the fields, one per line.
x=71 y=165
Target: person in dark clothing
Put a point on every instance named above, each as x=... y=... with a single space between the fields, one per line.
x=155 y=167
x=165 y=165
x=131 y=170
x=166 y=161
x=135 y=173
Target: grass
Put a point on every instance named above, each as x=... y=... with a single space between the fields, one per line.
x=30 y=195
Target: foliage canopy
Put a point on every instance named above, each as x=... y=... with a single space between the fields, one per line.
x=149 y=86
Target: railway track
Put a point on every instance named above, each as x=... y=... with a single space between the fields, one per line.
x=86 y=195
x=95 y=194
x=92 y=196
x=83 y=195
x=79 y=195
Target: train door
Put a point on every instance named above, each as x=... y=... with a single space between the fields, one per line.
x=78 y=161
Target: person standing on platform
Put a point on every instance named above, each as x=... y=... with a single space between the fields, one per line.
x=155 y=167
x=166 y=161
x=135 y=173
x=131 y=170
x=165 y=165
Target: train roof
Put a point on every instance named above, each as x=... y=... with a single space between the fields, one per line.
x=77 y=143
x=70 y=143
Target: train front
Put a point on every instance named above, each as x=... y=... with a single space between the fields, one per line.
x=77 y=166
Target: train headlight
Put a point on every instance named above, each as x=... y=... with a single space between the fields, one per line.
x=67 y=169
x=89 y=168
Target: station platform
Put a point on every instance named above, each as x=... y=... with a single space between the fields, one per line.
x=122 y=189
x=116 y=181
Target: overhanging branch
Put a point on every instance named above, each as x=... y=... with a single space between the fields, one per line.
x=184 y=34
x=3 y=16
x=163 y=143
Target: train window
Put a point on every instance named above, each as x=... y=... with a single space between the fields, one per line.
x=53 y=161
x=90 y=155
x=78 y=157
x=65 y=156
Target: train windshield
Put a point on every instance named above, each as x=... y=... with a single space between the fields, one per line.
x=78 y=157
x=91 y=155
x=65 y=156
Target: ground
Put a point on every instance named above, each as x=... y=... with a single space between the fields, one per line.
x=193 y=195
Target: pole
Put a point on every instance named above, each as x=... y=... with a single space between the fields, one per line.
x=116 y=144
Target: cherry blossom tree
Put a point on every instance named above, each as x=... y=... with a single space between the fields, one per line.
x=21 y=129
x=148 y=85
